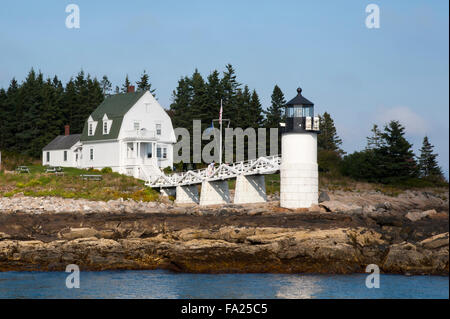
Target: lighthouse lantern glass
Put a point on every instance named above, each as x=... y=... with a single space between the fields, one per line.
x=299 y=111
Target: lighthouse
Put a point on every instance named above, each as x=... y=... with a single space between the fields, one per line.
x=299 y=187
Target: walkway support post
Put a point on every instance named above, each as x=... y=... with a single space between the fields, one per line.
x=167 y=191
x=187 y=194
x=214 y=193
x=250 y=189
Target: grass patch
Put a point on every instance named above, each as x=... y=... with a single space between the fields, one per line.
x=70 y=185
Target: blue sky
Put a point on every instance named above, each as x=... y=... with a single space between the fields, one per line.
x=359 y=75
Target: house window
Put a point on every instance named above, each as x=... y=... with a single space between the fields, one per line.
x=91 y=131
x=91 y=154
x=158 y=152
x=158 y=129
x=48 y=156
x=165 y=152
x=136 y=126
x=105 y=127
x=65 y=156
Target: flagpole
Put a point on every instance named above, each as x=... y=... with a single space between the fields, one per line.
x=220 y=147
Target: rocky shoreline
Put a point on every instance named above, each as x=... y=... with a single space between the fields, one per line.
x=407 y=234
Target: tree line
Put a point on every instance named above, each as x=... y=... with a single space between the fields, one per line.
x=33 y=112
x=387 y=158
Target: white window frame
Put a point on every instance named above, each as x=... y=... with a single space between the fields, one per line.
x=158 y=151
x=138 y=125
x=65 y=156
x=158 y=129
x=92 y=125
x=91 y=154
x=107 y=123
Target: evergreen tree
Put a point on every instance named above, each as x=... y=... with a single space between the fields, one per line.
x=242 y=116
x=180 y=107
x=105 y=85
x=199 y=102
x=30 y=101
x=4 y=116
x=126 y=85
x=428 y=166
x=230 y=88
x=328 y=139
x=396 y=155
x=70 y=103
x=214 y=94
x=274 y=114
x=256 y=112
x=374 y=141
x=144 y=84
x=13 y=112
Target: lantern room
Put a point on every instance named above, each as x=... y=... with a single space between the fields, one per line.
x=300 y=115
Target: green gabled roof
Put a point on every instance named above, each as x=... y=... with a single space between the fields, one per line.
x=115 y=107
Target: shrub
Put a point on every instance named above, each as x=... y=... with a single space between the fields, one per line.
x=106 y=170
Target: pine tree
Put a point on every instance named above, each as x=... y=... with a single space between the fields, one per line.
x=274 y=114
x=328 y=139
x=428 y=166
x=181 y=102
x=144 y=84
x=199 y=102
x=70 y=103
x=396 y=155
x=14 y=112
x=242 y=116
x=3 y=118
x=230 y=88
x=256 y=111
x=214 y=94
x=126 y=85
x=374 y=141
x=105 y=85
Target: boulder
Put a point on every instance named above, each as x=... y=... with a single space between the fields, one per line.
x=415 y=216
x=323 y=197
x=437 y=241
x=335 y=206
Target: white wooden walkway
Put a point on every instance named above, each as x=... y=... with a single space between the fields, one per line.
x=262 y=165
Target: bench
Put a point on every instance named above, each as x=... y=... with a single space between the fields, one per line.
x=91 y=177
x=56 y=170
x=23 y=169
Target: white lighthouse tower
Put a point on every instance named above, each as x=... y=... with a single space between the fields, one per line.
x=299 y=170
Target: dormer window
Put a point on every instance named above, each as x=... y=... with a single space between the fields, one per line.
x=91 y=126
x=106 y=124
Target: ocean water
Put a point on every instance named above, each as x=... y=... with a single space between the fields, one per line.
x=164 y=284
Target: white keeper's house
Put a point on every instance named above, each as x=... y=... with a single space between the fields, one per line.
x=129 y=132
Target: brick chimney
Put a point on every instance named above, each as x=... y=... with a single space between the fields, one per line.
x=66 y=130
x=131 y=89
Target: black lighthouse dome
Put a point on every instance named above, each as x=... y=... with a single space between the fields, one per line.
x=300 y=115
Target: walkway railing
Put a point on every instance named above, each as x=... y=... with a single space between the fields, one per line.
x=262 y=165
